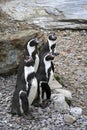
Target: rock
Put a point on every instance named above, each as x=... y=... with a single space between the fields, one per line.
x=0 y=95
x=48 y=14
x=54 y=84
x=60 y=103
x=69 y=119
x=65 y=93
x=12 y=49
x=76 y=111
x=40 y=111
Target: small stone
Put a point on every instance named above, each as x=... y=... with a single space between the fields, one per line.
x=40 y=111
x=76 y=111
x=0 y=95
x=44 y=128
x=69 y=119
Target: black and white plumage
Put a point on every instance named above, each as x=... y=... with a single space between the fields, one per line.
x=31 y=50
x=50 y=45
x=31 y=82
x=26 y=90
x=44 y=75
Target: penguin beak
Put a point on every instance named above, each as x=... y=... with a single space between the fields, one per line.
x=52 y=36
x=28 y=59
x=37 y=41
x=56 y=53
x=51 y=56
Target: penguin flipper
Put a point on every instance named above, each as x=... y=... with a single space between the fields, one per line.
x=52 y=66
x=46 y=89
x=24 y=100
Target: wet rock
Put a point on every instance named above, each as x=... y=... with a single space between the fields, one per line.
x=54 y=11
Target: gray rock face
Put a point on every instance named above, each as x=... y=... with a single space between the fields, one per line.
x=49 y=14
x=12 y=49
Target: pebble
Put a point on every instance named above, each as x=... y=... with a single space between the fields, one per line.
x=40 y=111
x=0 y=95
x=76 y=111
x=69 y=119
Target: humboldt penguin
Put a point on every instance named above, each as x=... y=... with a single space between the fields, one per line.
x=44 y=75
x=30 y=50
x=25 y=93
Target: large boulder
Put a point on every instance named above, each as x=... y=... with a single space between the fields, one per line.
x=49 y=14
x=12 y=49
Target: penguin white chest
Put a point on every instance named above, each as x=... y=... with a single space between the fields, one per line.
x=51 y=76
x=36 y=63
x=47 y=66
x=27 y=71
x=33 y=91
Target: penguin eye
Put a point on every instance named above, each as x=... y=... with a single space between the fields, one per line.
x=52 y=37
x=32 y=43
x=48 y=58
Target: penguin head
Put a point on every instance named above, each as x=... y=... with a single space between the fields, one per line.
x=28 y=61
x=52 y=37
x=33 y=42
x=32 y=45
x=49 y=57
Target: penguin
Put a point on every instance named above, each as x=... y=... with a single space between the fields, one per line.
x=26 y=90
x=31 y=81
x=49 y=46
x=44 y=75
x=30 y=50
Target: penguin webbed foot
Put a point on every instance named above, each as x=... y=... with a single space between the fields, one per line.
x=13 y=110
x=28 y=116
x=36 y=102
x=45 y=103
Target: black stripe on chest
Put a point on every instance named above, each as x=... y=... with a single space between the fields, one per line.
x=49 y=73
x=29 y=80
x=30 y=76
x=34 y=55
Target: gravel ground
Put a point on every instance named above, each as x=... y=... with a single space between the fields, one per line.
x=71 y=66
